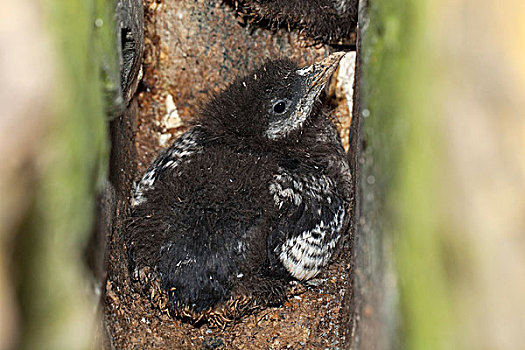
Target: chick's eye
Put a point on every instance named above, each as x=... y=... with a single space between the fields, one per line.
x=279 y=107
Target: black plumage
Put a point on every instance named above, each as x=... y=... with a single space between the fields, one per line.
x=327 y=21
x=255 y=195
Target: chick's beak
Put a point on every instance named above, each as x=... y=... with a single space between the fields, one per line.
x=318 y=74
x=315 y=78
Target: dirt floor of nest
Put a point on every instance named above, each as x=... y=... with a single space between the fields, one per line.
x=310 y=320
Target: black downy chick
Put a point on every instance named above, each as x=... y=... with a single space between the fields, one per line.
x=255 y=195
x=327 y=21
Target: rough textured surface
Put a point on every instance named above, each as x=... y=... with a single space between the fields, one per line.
x=193 y=48
x=352 y=307
x=130 y=41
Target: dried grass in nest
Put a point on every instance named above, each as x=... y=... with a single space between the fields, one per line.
x=220 y=316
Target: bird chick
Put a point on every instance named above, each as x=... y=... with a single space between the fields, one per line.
x=327 y=21
x=254 y=196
